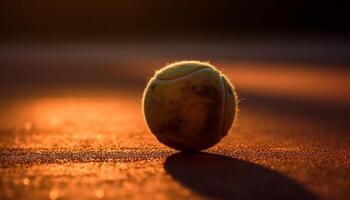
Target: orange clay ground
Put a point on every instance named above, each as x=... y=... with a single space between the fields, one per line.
x=74 y=129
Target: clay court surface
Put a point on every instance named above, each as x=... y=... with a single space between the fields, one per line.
x=71 y=125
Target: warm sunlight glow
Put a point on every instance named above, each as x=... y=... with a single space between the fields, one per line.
x=99 y=193
x=26 y=181
x=28 y=125
x=71 y=121
x=54 y=194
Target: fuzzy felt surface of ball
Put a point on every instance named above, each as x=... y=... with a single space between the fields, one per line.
x=189 y=105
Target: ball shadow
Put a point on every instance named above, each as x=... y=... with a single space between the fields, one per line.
x=223 y=177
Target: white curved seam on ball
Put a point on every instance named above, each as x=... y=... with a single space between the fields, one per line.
x=184 y=76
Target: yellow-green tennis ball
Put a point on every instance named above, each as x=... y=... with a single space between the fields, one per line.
x=189 y=105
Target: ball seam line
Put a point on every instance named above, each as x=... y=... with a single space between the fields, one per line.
x=183 y=76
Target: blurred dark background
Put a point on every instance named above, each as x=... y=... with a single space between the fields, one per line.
x=121 y=42
x=54 y=19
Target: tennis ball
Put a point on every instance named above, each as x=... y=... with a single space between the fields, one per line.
x=189 y=105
